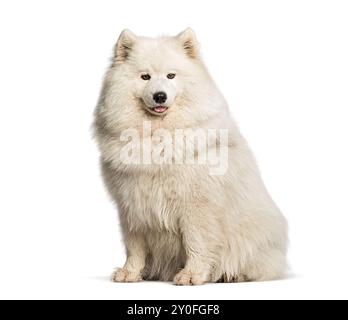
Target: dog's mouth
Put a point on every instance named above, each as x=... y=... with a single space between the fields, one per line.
x=155 y=109
x=159 y=109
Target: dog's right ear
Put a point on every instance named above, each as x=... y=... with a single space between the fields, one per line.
x=124 y=45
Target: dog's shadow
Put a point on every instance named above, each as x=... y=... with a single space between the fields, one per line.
x=291 y=276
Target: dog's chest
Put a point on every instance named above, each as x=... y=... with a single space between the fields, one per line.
x=154 y=201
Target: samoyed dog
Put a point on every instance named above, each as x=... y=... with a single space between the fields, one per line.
x=192 y=205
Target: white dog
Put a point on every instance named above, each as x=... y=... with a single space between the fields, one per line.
x=186 y=217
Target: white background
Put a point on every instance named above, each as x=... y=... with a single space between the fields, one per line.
x=283 y=67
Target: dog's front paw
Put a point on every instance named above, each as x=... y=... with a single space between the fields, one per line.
x=123 y=275
x=189 y=278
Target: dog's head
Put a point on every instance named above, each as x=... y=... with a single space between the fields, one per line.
x=158 y=72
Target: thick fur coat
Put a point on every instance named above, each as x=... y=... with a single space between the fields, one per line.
x=180 y=223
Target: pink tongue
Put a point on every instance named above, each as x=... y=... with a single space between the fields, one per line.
x=160 y=109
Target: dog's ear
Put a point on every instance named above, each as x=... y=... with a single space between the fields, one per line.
x=189 y=42
x=124 y=45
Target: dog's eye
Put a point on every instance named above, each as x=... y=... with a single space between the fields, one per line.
x=146 y=77
x=171 y=75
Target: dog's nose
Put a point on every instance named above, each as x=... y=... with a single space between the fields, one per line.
x=160 y=97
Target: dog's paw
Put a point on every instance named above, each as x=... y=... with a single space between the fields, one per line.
x=123 y=275
x=188 y=278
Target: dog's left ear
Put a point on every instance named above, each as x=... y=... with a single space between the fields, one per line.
x=124 y=45
x=189 y=42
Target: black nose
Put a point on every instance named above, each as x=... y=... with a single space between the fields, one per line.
x=160 y=97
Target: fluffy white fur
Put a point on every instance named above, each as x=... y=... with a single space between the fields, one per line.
x=180 y=223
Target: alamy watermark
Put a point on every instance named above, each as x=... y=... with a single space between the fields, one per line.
x=205 y=147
